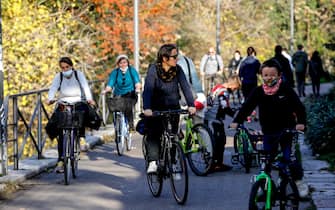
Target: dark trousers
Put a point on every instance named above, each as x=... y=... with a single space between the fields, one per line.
x=316 y=86
x=155 y=130
x=217 y=129
x=300 y=77
x=271 y=143
x=247 y=88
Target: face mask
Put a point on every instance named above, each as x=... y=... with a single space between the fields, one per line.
x=271 y=83
x=68 y=73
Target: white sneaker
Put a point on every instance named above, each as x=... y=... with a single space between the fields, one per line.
x=302 y=188
x=152 y=168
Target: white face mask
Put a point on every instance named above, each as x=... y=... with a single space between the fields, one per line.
x=68 y=73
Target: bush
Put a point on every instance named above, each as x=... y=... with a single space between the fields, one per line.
x=320 y=132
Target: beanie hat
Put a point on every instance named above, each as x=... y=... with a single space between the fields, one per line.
x=122 y=56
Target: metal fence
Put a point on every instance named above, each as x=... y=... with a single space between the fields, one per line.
x=25 y=126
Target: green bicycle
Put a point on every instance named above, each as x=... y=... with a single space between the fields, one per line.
x=197 y=145
x=245 y=147
x=264 y=192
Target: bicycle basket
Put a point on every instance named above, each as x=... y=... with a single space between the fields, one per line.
x=119 y=104
x=67 y=119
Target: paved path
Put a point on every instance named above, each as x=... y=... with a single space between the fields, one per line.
x=320 y=181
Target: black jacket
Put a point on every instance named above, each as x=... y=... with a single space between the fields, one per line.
x=276 y=112
x=160 y=95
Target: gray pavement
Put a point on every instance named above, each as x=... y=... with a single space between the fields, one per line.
x=320 y=181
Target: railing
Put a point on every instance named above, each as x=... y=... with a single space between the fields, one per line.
x=32 y=128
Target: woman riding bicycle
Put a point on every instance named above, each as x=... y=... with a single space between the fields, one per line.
x=125 y=82
x=279 y=109
x=161 y=92
x=73 y=88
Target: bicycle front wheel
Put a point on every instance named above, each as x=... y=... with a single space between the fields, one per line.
x=67 y=157
x=260 y=198
x=155 y=180
x=289 y=195
x=178 y=173
x=75 y=159
x=200 y=150
x=119 y=137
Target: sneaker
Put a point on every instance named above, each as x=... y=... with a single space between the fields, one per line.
x=60 y=167
x=302 y=188
x=82 y=141
x=152 y=168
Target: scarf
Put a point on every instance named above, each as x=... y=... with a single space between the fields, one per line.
x=167 y=76
x=271 y=90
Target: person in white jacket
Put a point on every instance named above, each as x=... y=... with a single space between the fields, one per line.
x=72 y=87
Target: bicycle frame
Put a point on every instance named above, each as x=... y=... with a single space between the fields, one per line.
x=188 y=133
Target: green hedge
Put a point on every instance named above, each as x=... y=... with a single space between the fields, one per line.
x=320 y=132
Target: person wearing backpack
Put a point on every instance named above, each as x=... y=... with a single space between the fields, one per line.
x=211 y=66
x=72 y=87
x=300 y=63
x=125 y=81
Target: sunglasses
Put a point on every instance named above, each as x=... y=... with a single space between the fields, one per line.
x=174 y=56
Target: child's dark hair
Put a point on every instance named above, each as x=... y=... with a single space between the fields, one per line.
x=271 y=63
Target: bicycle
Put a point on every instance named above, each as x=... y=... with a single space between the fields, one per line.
x=171 y=164
x=197 y=145
x=246 y=147
x=264 y=192
x=70 y=120
x=122 y=135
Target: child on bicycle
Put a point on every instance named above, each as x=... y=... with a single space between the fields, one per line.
x=218 y=107
x=279 y=109
x=161 y=92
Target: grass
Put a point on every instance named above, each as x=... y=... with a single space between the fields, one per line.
x=330 y=158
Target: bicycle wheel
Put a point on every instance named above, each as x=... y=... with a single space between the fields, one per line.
x=75 y=159
x=119 y=138
x=67 y=159
x=237 y=143
x=200 y=159
x=258 y=196
x=155 y=180
x=128 y=138
x=178 y=173
x=289 y=195
x=246 y=155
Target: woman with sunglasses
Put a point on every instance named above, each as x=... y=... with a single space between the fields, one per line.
x=161 y=92
x=125 y=82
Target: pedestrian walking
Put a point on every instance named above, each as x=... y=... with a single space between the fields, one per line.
x=315 y=71
x=300 y=62
x=248 y=72
x=287 y=74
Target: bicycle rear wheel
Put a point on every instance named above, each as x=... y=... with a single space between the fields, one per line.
x=289 y=195
x=75 y=159
x=67 y=157
x=119 y=137
x=155 y=180
x=200 y=157
x=178 y=173
x=259 y=195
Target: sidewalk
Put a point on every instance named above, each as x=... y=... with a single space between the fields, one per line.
x=320 y=181
x=31 y=167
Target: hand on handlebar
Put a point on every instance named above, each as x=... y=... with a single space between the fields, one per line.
x=300 y=127
x=233 y=125
x=192 y=110
x=49 y=102
x=147 y=112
